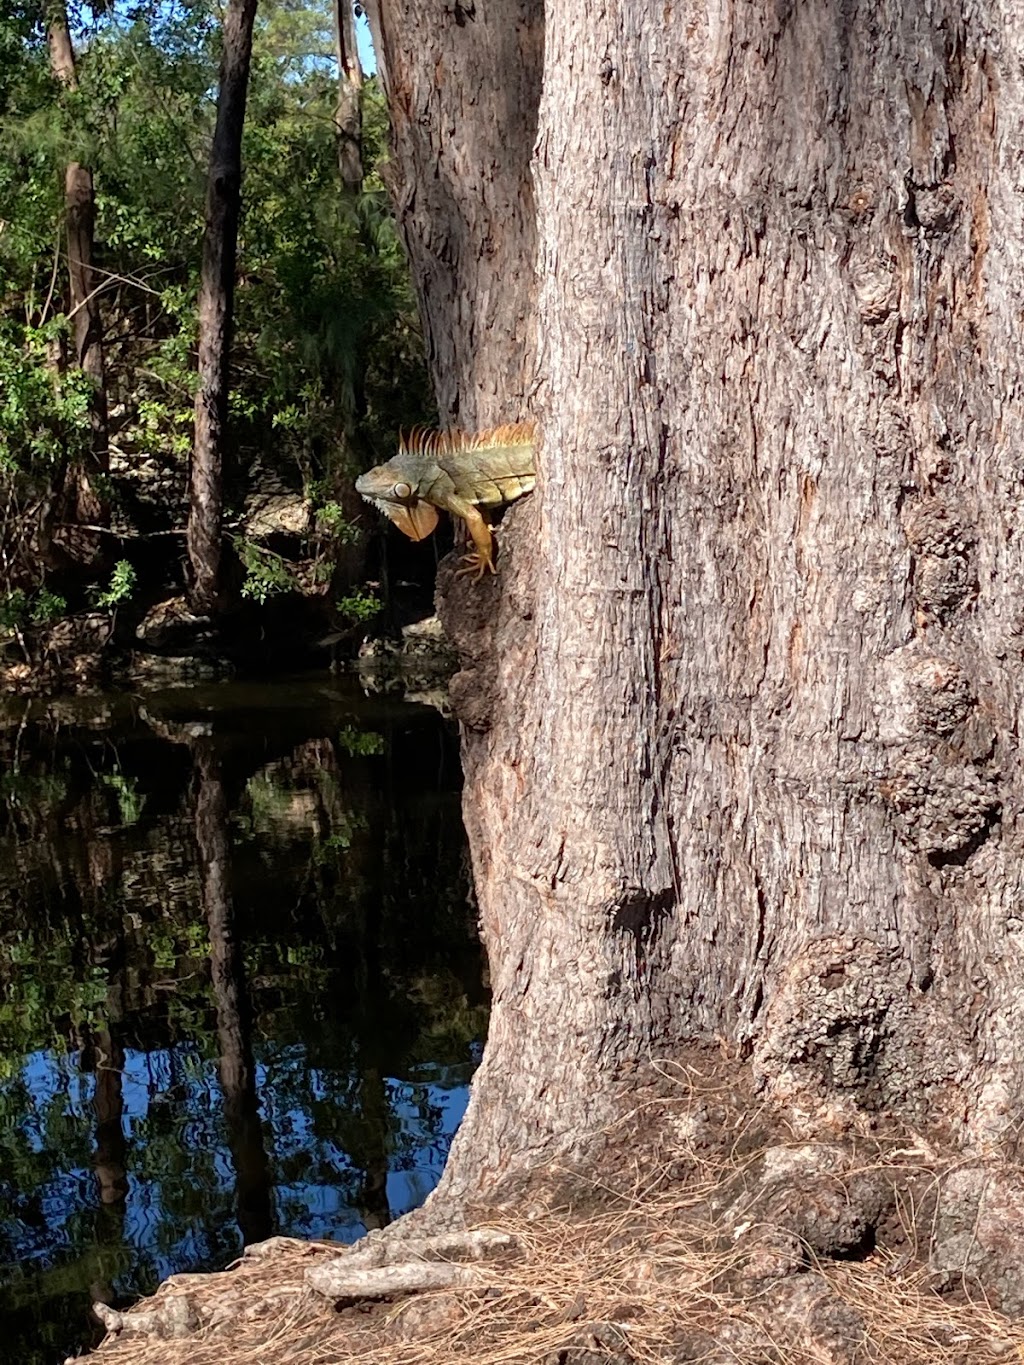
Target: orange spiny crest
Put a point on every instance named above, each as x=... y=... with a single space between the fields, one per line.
x=422 y=441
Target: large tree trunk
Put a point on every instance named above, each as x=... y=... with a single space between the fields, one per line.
x=84 y=497
x=462 y=89
x=740 y=709
x=216 y=299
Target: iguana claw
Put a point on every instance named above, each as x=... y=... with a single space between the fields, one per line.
x=476 y=564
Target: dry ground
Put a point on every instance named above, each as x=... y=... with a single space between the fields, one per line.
x=702 y=1230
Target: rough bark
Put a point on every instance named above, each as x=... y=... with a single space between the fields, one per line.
x=85 y=502
x=348 y=115
x=462 y=84
x=216 y=301
x=740 y=710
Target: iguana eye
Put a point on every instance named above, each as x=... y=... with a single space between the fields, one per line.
x=402 y=491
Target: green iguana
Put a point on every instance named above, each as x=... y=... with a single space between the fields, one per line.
x=458 y=473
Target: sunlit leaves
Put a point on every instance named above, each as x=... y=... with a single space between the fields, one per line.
x=42 y=418
x=327 y=353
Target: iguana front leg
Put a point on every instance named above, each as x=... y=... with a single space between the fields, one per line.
x=480 y=560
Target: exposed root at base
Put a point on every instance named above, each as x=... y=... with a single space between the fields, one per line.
x=406 y=1265
x=705 y=1233
x=173 y=1319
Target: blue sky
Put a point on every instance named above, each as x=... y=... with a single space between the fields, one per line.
x=365 y=44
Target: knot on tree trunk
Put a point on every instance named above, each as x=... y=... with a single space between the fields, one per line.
x=942 y=778
x=845 y=1031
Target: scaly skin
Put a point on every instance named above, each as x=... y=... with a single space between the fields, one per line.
x=464 y=475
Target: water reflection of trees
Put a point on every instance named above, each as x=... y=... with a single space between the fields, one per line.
x=313 y=863
x=232 y=1006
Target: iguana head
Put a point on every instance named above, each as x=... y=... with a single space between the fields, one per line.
x=392 y=488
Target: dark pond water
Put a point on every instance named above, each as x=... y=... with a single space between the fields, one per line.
x=240 y=990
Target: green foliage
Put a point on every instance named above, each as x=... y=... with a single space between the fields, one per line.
x=13 y=610
x=46 y=607
x=41 y=419
x=331 y=521
x=129 y=801
x=122 y=584
x=45 y=791
x=266 y=573
x=365 y=743
x=269 y=800
x=358 y=608
x=327 y=353
x=20 y=609
x=340 y=841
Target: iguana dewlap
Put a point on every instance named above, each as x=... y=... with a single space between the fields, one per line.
x=462 y=474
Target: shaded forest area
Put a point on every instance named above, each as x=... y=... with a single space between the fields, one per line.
x=107 y=119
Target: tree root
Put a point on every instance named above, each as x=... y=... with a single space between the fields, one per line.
x=376 y=1267
x=405 y=1266
x=171 y=1319
x=338 y=1281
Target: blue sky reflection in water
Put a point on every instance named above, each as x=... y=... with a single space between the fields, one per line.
x=178 y=1071
x=315 y=1206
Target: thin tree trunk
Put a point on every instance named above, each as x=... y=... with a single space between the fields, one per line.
x=86 y=502
x=348 y=115
x=740 y=711
x=216 y=300
x=350 y=558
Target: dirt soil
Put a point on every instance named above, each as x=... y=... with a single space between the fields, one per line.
x=702 y=1228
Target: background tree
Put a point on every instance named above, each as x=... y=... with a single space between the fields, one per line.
x=348 y=115
x=739 y=723
x=236 y=1064
x=216 y=299
x=83 y=497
